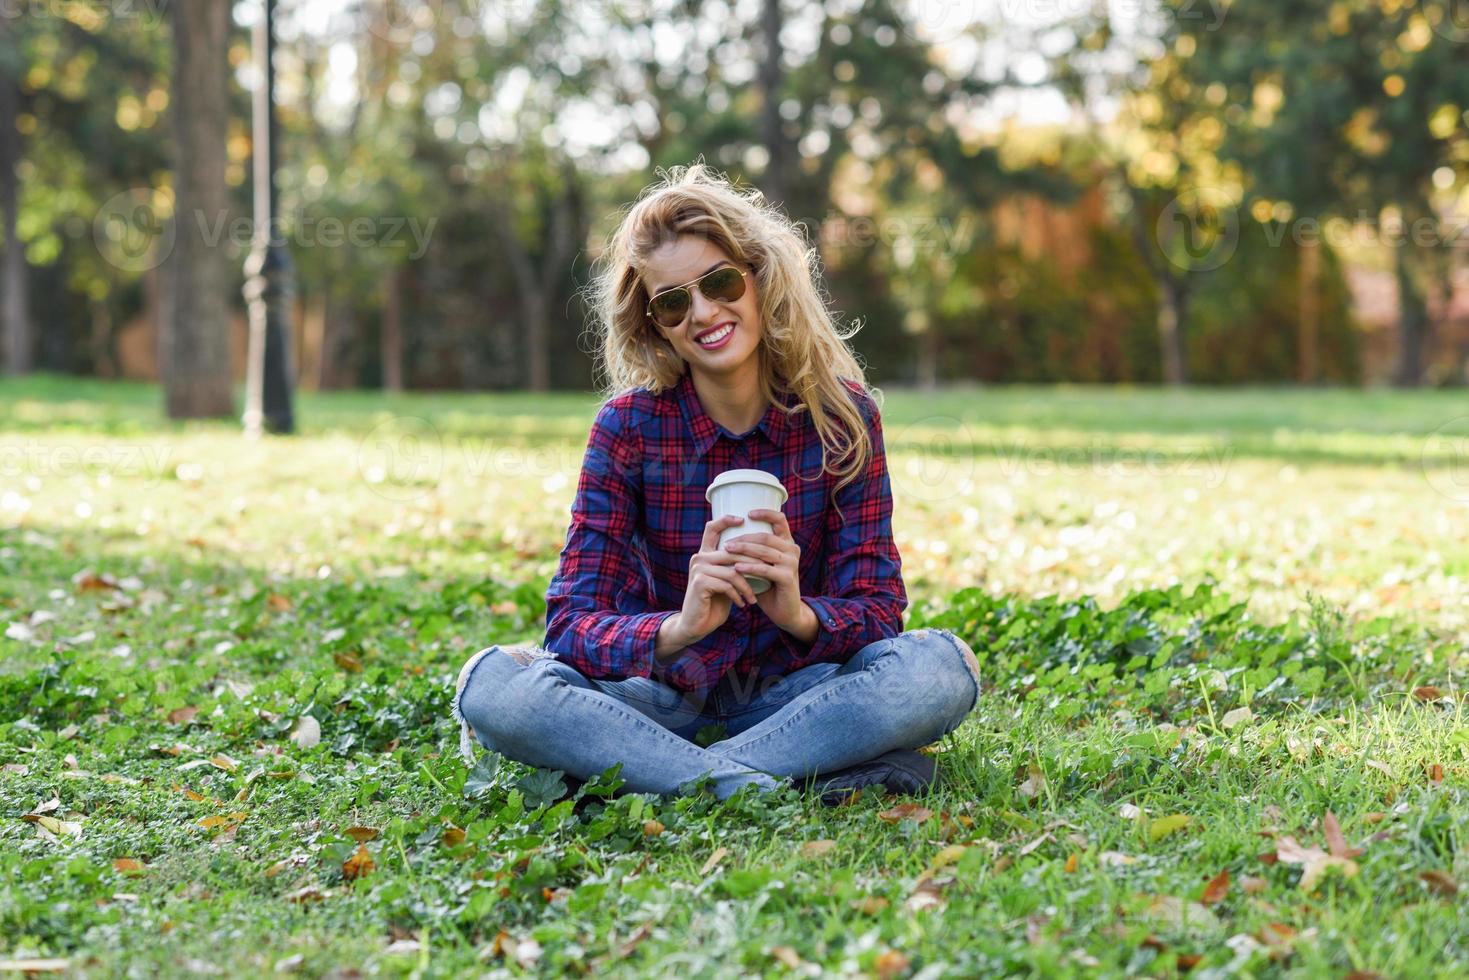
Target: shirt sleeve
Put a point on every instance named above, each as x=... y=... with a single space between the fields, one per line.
x=599 y=610
x=863 y=596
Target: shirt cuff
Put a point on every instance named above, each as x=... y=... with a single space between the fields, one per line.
x=838 y=622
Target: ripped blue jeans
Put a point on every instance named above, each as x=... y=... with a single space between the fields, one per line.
x=900 y=692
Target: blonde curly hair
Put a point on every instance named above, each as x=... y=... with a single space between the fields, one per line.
x=803 y=355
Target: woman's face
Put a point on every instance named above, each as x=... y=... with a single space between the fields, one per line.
x=690 y=257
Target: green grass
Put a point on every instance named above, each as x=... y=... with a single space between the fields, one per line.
x=1133 y=567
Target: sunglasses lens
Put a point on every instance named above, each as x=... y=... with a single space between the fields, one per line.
x=671 y=307
x=723 y=285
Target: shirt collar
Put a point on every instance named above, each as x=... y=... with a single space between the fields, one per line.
x=706 y=431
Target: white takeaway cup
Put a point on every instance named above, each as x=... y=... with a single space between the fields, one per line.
x=736 y=493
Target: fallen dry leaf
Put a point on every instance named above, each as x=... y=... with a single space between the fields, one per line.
x=720 y=853
x=1129 y=811
x=452 y=837
x=310 y=893
x=1028 y=848
x=890 y=963
x=816 y=848
x=1334 y=838
x=1435 y=773
x=1034 y=785
x=359 y=864
x=1440 y=882
x=1176 y=912
x=278 y=602
x=362 y=834
x=180 y=716
x=1115 y=859
x=1314 y=861
x=1071 y=863
x=652 y=828
x=224 y=762
x=786 y=956
x=127 y=865
x=1251 y=885
x=1216 y=889
x=307 y=733
x=223 y=820
x=348 y=662
x=1427 y=693
x=906 y=811
x=1237 y=717
x=870 y=905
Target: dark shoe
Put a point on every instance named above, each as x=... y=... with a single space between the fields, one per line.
x=899 y=771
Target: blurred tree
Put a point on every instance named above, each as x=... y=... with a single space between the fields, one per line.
x=196 y=353
x=1353 y=109
x=1179 y=200
x=15 y=320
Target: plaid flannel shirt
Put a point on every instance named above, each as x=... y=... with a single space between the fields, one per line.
x=639 y=515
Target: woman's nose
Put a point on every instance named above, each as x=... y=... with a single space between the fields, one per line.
x=703 y=311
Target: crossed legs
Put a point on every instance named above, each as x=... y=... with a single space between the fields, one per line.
x=901 y=692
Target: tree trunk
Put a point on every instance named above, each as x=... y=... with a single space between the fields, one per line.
x=1412 y=321
x=196 y=363
x=1172 y=311
x=392 y=331
x=1309 y=309
x=15 y=319
x=774 y=182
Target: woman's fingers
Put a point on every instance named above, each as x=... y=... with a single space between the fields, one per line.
x=736 y=581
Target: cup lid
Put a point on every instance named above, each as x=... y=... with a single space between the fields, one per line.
x=746 y=476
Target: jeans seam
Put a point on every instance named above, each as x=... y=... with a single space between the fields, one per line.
x=806 y=707
x=466 y=676
x=963 y=662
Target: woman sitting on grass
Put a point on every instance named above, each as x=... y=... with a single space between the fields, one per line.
x=722 y=355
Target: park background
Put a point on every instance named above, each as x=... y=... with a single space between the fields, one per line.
x=1167 y=305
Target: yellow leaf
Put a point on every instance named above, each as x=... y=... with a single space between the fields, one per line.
x=127 y=865
x=223 y=820
x=224 y=762
x=947 y=856
x=1071 y=863
x=453 y=837
x=1163 y=826
x=360 y=834
x=816 y=848
x=719 y=855
x=652 y=828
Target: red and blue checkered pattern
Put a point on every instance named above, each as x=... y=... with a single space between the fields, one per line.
x=639 y=516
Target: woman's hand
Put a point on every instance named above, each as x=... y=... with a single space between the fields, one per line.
x=776 y=558
x=713 y=587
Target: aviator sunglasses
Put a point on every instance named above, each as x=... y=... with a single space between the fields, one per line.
x=724 y=285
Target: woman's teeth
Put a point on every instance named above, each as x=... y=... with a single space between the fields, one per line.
x=716 y=336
